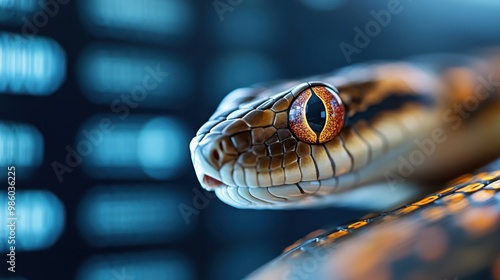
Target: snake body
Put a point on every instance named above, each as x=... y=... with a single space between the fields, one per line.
x=451 y=234
x=374 y=136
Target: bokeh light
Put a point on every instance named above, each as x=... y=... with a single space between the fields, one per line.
x=111 y=74
x=130 y=215
x=30 y=65
x=152 y=20
x=133 y=148
x=40 y=220
x=21 y=145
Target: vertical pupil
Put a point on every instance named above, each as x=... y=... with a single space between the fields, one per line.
x=315 y=113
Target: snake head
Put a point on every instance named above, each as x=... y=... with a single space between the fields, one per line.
x=288 y=143
x=253 y=139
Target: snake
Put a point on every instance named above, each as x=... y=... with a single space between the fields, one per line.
x=400 y=135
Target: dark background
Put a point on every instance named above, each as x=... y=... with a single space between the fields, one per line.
x=117 y=214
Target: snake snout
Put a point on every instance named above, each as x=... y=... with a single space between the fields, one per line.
x=218 y=152
x=212 y=155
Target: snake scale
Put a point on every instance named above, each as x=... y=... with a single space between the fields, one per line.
x=381 y=135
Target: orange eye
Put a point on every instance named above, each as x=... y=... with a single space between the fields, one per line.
x=317 y=115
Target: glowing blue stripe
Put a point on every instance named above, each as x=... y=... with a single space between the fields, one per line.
x=20 y=145
x=40 y=220
x=130 y=215
x=30 y=65
x=147 y=265
x=137 y=147
x=146 y=19
x=110 y=74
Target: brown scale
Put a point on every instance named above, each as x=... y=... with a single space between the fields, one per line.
x=259 y=150
x=272 y=139
x=339 y=156
x=303 y=149
x=322 y=160
x=275 y=149
x=269 y=131
x=263 y=164
x=357 y=148
x=281 y=105
x=289 y=145
x=248 y=159
x=276 y=162
x=258 y=135
x=281 y=120
x=242 y=141
x=278 y=177
x=292 y=173
x=236 y=126
x=259 y=118
x=309 y=171
x=284 y=134
x=289 y=158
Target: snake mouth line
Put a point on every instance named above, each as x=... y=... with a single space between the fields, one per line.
x=211 y=182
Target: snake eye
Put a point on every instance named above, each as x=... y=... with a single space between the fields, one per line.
x=316 y=115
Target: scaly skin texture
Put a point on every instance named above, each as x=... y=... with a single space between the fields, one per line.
x=450 y=234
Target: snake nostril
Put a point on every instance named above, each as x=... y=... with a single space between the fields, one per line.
x=215 y=155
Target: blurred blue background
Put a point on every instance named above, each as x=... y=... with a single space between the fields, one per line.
x=99 y=99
